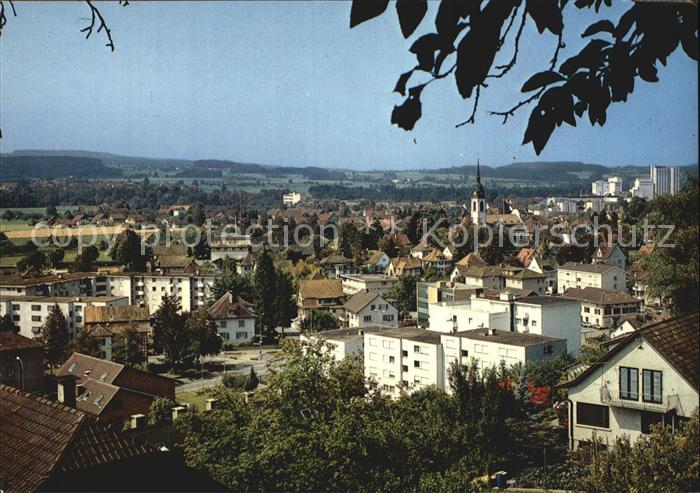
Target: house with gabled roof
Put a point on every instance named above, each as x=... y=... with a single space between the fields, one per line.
x=610 y=253
x=112 y=392
x=648 y=376
x=601 y=275
x=368 y=308
x=405 y=266
x=235 y=319
x=604 y=307
x=321 y=294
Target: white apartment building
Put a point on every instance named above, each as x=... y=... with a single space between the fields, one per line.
x=600 y=275
x=292 y=198
x=643 y=188
x=406 y=358
x=541 y=315
x=602 y=307
x=376 y=283
x=30 y=312
x=367 y=308
x=491 y=347
x=611 y=186
x=340 y=343
x=141 y=288
x=666 y=180
x=648 y=376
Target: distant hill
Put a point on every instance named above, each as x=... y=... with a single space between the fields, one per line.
x=45 y=167
x=565 y=171
x=107 y=158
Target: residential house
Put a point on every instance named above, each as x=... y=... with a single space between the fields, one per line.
x=21 y=362
x=112 y=392
x=106 y=322
x=471 y=260
x=235 y=319
x=340 y=343
x=336 y=265
x=421 y=250
x=488 y=276
x=437 y=261
x=610 y=253
x=321 y=294
x=378 y=261
x=525 y=279
x=405 y=266
x=648 y=376
x=601 y=275
x=368 y=308
x=377 y=283
x=604 y=308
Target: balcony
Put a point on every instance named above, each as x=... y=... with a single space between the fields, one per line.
x=612 y=398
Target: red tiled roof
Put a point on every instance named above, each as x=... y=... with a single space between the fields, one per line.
x=9 y=341
x=39 y=437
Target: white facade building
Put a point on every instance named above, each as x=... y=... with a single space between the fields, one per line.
x=600 y=275
x=649 y=376
x=367 y=308
x=291 y=198
x=376 y=283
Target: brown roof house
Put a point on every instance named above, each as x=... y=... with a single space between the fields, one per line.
x=235 y=319
x=21 y=362
x=321 y=294
x=112 y=392
x=405 y=266
x=105 y=322
x=649 y=376
x=604 y=307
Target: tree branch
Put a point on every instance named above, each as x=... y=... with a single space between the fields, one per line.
x=552 y=64
x=3 y=17
x=504 y=69
x=472 y=118
x=96 y=17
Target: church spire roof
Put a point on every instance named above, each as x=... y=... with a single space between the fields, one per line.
x=478 y=187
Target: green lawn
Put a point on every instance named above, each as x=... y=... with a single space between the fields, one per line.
x=197 y=398
x=14 y=226
x=9 y=260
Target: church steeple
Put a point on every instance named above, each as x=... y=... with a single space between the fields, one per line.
x=478 y=203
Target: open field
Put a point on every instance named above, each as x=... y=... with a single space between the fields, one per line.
x=86 y=232
x=196 y=398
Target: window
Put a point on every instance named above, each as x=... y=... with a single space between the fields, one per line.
x=372 y=341
x=71 y=367
x=36 y=318
x=404 y=367
x=391 y=359
x=404 y=353
x=651 y=386
x=534 y=323
x=388 y=318
x=241 y=335
x=367 y=318
x=592 y=415
x=241 y=323
x=224 y=335
x=373 y=307
x=629 y=383
x=36 y=308
x=15 y=307
x=586 y=310
x=416 y=364
x=15 y=318
x=416 y=349
x=373 y=356
x=465 y=353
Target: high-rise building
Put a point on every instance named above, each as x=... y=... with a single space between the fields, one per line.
x=666 y=180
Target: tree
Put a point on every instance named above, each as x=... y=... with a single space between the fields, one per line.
x=349 y=240
x=54 y=336
x=34 y=259
x=318 y=320
x=253 y=380
x=264 y=280
x=663 y=461
x=202 y=250
x=601 y=73
x=285 y=306
x=127 y=347
x=127 y=251
x=404 y=292
x=84 y=261
x=673 y=270
x=388 y=245
x=169 y=334
x=51 y=211
x=204 y=335
x=197 y=214
x=7 y=325
x=161 y=411
x=85 y=343
x=55 y=256
x=237 y=285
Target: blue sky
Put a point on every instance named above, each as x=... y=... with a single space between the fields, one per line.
x=289 y=83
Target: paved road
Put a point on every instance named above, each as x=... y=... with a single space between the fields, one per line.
x=241 y=365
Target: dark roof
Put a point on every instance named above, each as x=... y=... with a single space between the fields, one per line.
x=545 y=300
x=676 y=339
x=600 y=296
x=40 y=437
x=506 y=337
x=9 y=341
x=116 y=313
x=88 y=367
x=226 y=308
x=321 y=288
x=360 y=300
x=604 y=251
x=412 y=334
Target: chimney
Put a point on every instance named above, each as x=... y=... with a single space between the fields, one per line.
x=360 y=332
x=66 y=390
x=178 y=410
x=211 y=404
x=138 y=421
x=492 y=332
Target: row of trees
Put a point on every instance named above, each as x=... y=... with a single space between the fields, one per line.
x=318 y=427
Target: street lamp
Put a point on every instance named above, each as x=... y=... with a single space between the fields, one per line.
x=21 y=373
